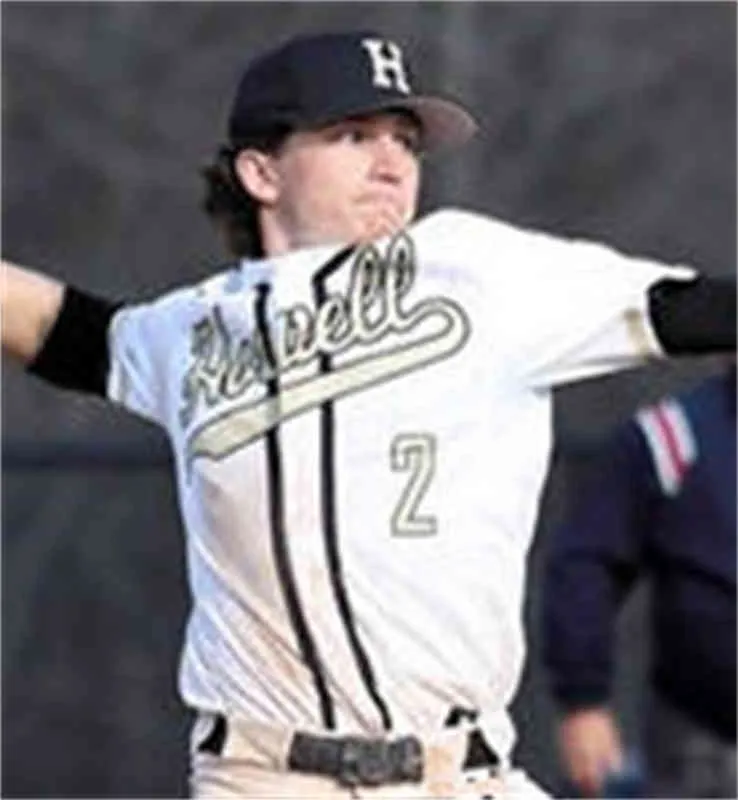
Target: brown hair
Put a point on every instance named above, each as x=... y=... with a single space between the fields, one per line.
x=233 y=211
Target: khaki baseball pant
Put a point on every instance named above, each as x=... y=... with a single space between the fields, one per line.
x=252 y=766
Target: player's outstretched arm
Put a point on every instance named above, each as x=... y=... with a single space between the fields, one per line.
x=695 y=318
x=29 y=306
x=58 y=332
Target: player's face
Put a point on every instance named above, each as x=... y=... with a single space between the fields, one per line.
x=351 y=182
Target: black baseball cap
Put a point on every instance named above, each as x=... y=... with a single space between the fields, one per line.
x=313 y=81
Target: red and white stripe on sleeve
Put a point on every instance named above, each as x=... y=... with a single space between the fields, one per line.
x=671 y=441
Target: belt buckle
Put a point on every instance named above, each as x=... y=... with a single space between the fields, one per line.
x=363 y=763
x=376 y=762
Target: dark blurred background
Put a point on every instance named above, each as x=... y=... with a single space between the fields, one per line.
x=613 y=121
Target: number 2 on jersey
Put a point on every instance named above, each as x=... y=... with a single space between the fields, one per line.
x=414 y=453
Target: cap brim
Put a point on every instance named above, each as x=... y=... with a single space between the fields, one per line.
x=444 y=123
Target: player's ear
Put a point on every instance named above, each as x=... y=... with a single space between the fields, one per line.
x=257 y=173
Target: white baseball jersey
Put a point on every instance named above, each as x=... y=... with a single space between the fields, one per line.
x=361 y=440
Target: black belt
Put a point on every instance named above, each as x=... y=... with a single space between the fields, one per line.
x=360 y=760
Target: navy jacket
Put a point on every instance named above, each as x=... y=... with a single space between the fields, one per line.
x=661 y=503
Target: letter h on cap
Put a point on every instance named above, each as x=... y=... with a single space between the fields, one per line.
x=388 y=70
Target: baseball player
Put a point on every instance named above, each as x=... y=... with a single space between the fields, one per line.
x=360 y=414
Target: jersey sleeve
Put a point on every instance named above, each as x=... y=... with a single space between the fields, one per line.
x=560 y=310
x=140 y=342
x=586 y=309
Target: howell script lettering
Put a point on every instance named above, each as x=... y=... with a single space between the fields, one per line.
x=376 y=309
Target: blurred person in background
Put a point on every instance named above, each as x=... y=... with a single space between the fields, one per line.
x=659 y=505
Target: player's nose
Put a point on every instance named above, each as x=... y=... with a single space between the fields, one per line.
x=390 y=158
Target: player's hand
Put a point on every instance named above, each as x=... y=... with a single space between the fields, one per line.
x=382 y=218
x=591 y=748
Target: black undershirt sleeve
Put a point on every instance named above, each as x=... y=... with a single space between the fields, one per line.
x=694 y=318
x=75 y=353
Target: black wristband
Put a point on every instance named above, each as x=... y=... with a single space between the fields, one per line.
x=75 y=352
x=694 y=318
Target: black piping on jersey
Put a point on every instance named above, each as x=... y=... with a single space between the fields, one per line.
x=328 y=501
x=279 y=543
